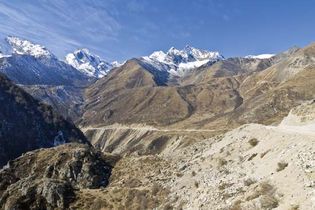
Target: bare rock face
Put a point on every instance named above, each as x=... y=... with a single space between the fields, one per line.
x=48 y=178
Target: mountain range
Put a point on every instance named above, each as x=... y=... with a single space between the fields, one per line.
x=182 y=129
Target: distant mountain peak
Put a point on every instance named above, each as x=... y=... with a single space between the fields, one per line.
x=177 y=61
x=173 y=50
x=89 y=64
x=25 y=47
x=189 y=54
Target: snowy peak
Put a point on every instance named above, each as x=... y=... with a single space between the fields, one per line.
x=25 y=47
x=189 y=54
x=199 y=54
x=158 y=55
x=177 y=62
x=89 y=64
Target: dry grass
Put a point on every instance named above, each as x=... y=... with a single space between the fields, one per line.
x=260 y=196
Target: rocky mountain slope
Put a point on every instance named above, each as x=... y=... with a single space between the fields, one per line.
x=51 y=178
x=65 y=100
x=27 y=124
x=148 y=95
x=217 y=96
x=133 y=94
x=250 y=167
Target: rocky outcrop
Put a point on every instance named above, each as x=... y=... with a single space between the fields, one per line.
x=49 y=178
x=37 y=194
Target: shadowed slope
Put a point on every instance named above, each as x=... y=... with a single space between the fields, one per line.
x=27 y=124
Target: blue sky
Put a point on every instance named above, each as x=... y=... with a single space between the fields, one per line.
x=121 y=29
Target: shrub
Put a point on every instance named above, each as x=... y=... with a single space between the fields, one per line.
x=253 y=142
x=282 y=166
x=264 y=153
x=294 y=207
x=221 y=162
x=261 y=196
x=252 y=156
x=249 y=181
x=196 y=184
x=268 y=202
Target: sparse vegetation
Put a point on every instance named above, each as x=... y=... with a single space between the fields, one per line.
x=268 y=202
x=155 y=189
x=264 y=153
x=249 y=182
x=253 y=142
x=252 y=156
x=196 y=184
x=168 y=207
x=282 y=166
x=261 y=197
x=178 y=174
x=221 y=162
x=236 y=205
x=224 y=185
x=295 y=207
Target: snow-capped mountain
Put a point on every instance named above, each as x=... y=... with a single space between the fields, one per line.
x=27 y=63
x=25 y=47
x=262 y=56
x=43 y=75
x=89 y=64
x=177 y=62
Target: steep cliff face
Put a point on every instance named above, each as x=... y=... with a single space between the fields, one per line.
x=26 y=124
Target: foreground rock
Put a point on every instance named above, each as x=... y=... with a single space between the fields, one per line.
x=49 y=178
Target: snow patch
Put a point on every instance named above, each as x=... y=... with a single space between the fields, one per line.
x=262 y=56
x=4 y=56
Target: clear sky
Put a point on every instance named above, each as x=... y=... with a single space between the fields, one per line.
x=121 y=29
